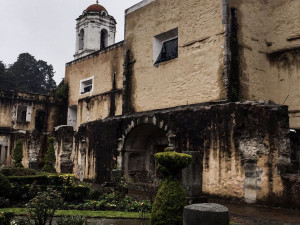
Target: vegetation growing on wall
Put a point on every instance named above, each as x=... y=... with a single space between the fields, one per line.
x=18 y=154
x=61 y=93
x=171 y=198
x=50 y=159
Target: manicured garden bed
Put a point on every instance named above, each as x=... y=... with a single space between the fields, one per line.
x=84 y=213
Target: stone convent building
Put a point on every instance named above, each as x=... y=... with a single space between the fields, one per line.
x=217 y=79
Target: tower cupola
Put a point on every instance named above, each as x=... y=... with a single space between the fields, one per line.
x=95 y=30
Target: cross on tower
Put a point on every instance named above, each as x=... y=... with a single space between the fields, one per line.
x=97 y=1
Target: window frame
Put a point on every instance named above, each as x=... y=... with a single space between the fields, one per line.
x=81 y=87
x=158 y=43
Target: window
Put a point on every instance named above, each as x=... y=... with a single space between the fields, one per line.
x=23 y=113
x=104 y=39
x=86 y=85
x=81 y=39
x=165 y=46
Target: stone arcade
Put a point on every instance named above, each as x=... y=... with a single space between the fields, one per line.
x=208 y=78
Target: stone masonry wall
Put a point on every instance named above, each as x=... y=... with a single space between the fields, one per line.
x=241 y=148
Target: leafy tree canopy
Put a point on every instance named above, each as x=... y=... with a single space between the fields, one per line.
x=27 y=75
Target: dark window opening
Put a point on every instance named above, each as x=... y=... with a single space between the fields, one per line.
x=87 y=89
x=40 y=120
x=21 y=114
x=81 y=39
x=86 y=86
x=104 y=39
x=169 y=50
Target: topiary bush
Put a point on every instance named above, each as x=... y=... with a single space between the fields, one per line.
x=5 y=186
x=50 y=158
x=171 y=198
x=18 y=154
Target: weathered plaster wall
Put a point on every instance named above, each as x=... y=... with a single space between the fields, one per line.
x=99 y=106
x=34 y=131
x=269 y=43
x=196 y=75
x=102 y=65
x=230 y=160
x=9 y=102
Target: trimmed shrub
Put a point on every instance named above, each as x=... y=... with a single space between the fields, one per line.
x=43 y=206
x=71 y=220
x=74 y=193
x=171 y=198
x=17 y=171
x=50 y=158
x=169 y=203
x=18 y=154
x=6 y=217
x=5 y=186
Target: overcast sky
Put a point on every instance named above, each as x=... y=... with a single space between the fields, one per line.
x=46 y=28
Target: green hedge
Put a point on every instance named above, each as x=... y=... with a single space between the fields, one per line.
x=17 y=171
x=69 y=193
x=43 y=179
x=6 y=217
x=5 y=186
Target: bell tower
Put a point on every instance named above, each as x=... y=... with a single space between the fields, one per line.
x=95 y=30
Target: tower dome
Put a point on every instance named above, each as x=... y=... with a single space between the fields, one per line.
x=96 y=8
x=95 y=30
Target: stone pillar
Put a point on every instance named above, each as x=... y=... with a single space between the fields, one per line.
x=2 y=154
x=192 y=179
x=205 y=214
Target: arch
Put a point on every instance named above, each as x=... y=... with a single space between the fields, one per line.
x=81 y=39
x=104 y=39
x=103 y=13
x=146 y=135
x=139 y=148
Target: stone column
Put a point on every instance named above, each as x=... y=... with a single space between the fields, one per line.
x=205 y=214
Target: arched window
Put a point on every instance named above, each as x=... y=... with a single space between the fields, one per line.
x=81 y=39
x=104 y=39
x=104 y=13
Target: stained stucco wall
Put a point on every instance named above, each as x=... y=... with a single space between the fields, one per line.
x=9 y=103
x=196 y=75
x=269 y=48
x=99 y=107
x=102 y=65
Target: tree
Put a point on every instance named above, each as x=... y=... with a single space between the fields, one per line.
x=28 y=75
x=18 y=154
x=6 y=81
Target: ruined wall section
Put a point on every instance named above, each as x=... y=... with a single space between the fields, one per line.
x=241 y=149
x=63 y=146
x=196 y=75
x=20 y=111
x=269 y=42
x=30 y=117
x=106 y=67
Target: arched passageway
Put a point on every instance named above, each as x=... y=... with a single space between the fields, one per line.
x=138 y=153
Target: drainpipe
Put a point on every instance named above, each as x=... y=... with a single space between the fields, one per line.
x=227 y=52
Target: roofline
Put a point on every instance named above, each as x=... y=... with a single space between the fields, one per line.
x=138 y=6
x=95 y=53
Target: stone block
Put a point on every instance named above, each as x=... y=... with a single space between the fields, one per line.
x=205 y=214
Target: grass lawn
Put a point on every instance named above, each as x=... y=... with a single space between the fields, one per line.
x=85 y=213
